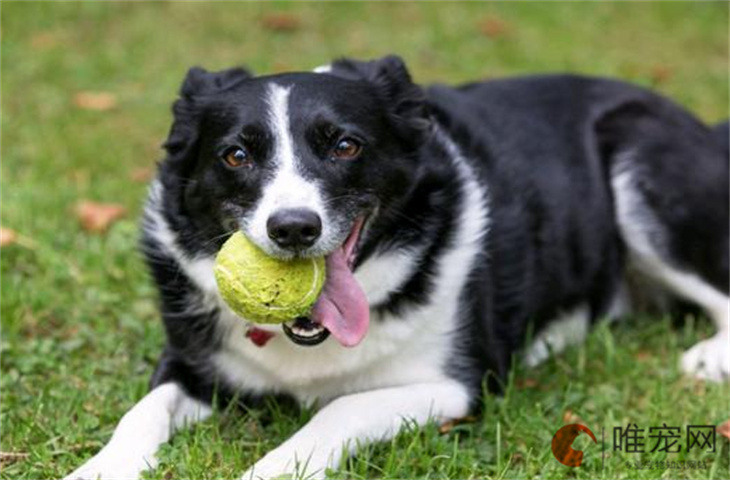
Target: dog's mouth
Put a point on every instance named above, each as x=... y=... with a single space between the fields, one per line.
x=342 y=309
x=303 y=331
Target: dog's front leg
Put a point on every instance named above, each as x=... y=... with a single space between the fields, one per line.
x=140 y=433
x=357 y=419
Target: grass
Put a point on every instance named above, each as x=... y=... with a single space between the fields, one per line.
x=80 y=332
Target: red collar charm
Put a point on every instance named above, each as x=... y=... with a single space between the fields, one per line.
x=259 y=337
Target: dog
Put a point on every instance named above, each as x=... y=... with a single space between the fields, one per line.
x=453 y=221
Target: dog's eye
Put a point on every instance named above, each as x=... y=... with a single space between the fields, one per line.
x=237 y=157
x=346 y=149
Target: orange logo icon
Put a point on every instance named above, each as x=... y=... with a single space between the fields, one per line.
x=563 y=441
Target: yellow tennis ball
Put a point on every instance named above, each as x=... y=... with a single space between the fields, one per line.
x=264 y=289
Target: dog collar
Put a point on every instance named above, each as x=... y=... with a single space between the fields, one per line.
x=258 y=336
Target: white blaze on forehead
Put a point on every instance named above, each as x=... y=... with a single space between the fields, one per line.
x=279 y=124
x=288 y=188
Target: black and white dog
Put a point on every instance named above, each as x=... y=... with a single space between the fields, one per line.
x=454 y=220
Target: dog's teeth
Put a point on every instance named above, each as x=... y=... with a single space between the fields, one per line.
x=306 y=333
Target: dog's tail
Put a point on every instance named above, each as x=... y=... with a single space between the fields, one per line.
x=721 y=132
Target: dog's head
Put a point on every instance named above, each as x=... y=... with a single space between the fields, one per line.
x=299 y=162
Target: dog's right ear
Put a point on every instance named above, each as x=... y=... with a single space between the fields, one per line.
x=198 y=83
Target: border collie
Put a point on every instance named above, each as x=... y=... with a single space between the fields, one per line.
x=454 y=221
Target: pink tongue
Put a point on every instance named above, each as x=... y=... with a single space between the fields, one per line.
x=342 y=307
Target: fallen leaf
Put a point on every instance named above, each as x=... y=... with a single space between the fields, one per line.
x=281 y=22
x=7 y=458
x=11 y=237
x=494 y=27
x=98 y=217
x=522 y=383
x=43 y=40
x=98 y=101
x=660 y=74
x=7 y=237
x=724 y=429
x=142 y=174
x=642 y=355
x=446 y=427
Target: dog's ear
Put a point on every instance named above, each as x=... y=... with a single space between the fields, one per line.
x=198 y=83
x=390 y=76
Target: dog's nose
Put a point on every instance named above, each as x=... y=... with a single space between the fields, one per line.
x=294 y=227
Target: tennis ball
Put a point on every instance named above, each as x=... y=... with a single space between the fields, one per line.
x=264 y=289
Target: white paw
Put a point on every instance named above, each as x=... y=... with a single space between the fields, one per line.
x=283 y=464
x=709 y=359
x=107 y=466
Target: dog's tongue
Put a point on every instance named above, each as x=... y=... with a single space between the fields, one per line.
x=342 y=307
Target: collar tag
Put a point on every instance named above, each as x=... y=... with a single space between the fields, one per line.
x=258 y=336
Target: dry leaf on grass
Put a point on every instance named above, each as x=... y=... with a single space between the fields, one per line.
x=522 y=383
x=7 y=458
x=98 y=101
x=494 y=27
x=446 y=427
x=660 y=74
x=642 y=355
x=98 y=217
x=724 y=429
x=7 y=237
x=142 y=174
x=281 y=22
x=43 y=40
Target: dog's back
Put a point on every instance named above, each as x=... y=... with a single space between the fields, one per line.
x=556 y=153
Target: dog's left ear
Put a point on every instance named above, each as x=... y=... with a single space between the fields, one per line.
x=390 y=76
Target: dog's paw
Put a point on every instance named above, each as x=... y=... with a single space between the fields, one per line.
x=105 y=466
x=283 y=465
x=709 y=359
x=256 y=473
x=265 y=471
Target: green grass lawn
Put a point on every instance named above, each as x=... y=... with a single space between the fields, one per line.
x=80 y=332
